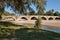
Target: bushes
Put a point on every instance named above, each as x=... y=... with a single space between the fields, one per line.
x=5 y=32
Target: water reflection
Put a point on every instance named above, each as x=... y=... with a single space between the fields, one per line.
x=51 y=29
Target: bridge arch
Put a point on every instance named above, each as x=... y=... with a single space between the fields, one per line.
x=24 y=18
x=33 y=18
x=57 y=18
x=43 y=18
x=50 y=18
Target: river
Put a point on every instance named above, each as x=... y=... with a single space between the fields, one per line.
x=49 y=28
x=54 y=29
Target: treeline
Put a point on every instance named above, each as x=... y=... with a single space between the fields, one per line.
x=52 y=13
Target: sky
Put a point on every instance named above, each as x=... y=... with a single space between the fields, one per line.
x=50 y=4
x=53 y=4
x=9 y=10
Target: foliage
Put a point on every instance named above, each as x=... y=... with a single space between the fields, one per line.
x=22 y=5
x=56 y=13
x=52 y=13
x=5 y=32
x=7 y=29
x=38 y=23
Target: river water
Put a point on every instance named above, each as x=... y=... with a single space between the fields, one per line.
x=54 y=29
x=49 y=28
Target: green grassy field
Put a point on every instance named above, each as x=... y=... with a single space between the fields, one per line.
x=25 y=33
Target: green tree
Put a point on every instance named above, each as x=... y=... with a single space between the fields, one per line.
x=50 y=12
x=41 y=7
x=56 y=13
x=18 y=5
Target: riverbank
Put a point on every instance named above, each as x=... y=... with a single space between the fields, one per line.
x=32 y=34
x=50 y=23
x=25 y=33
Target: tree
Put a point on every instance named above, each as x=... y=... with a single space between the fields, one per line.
x=22 y=5
x=50 y=12
x=42 y=4
x=56 y=13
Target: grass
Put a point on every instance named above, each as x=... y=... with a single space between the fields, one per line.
x=34 y=34
x=26 y=33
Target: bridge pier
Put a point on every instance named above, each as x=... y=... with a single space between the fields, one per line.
x=53 y=18
x=47 y=18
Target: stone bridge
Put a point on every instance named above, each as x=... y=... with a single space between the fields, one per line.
x=53 y=21
x=32 y=17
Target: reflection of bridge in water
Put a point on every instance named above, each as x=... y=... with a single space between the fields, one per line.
x=46 y=20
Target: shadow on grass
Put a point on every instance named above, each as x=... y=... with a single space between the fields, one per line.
x=7 y=24
x=34 y=34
